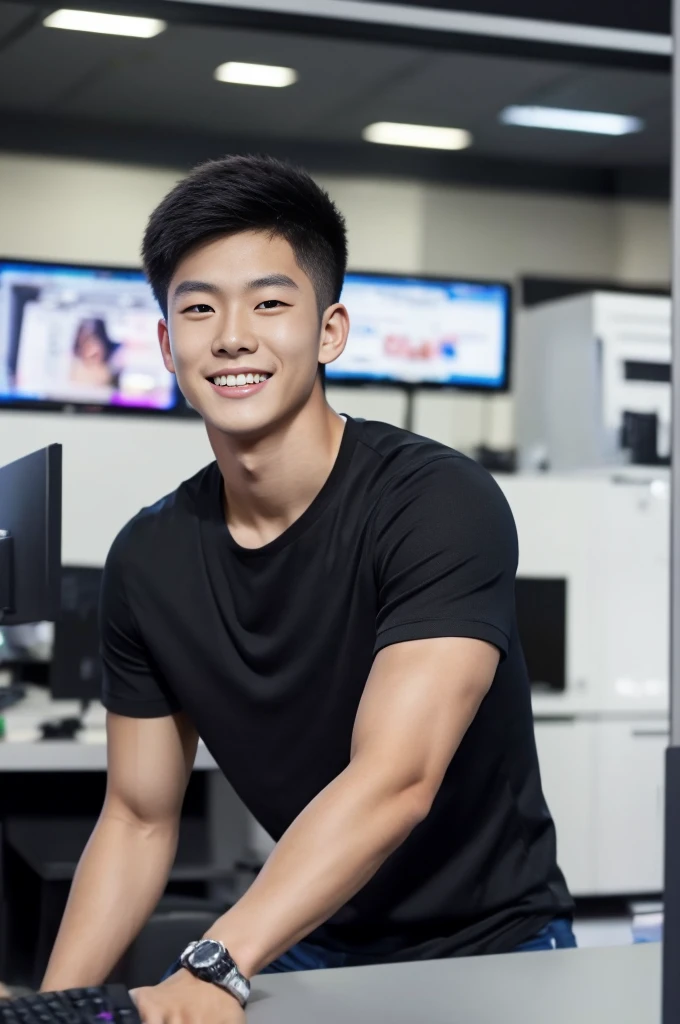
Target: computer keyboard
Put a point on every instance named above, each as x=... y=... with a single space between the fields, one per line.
x=103 y=1003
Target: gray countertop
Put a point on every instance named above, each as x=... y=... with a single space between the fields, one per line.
x=587 y=986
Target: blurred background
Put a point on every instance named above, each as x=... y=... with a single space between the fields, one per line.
x=504 y=168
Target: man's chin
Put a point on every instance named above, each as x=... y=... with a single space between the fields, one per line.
x=237 y=423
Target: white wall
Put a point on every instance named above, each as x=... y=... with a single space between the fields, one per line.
x=112 y=467
x=643 y=242
x=59 y=208
x=63 y=209
x=504 y=234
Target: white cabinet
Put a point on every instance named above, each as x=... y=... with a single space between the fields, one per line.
x=629 y=826
x=566 y=754
x=603 y=780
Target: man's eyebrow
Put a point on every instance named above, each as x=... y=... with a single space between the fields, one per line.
x=271 y=281
x=184 y=287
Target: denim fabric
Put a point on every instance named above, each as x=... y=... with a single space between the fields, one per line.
x=556 y=935
x=172 y=970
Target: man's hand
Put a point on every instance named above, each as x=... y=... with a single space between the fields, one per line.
x=189 y=1000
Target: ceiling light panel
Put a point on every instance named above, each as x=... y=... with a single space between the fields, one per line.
x=256 y=74
x=561 y=119
x=423 y=136
x=106 y=24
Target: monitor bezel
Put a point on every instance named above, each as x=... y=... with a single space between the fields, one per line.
x=481 y=389
x=75 y=407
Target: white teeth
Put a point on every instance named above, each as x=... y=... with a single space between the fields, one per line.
x=239 y=380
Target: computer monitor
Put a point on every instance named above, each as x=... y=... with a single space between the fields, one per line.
x=541 y=609
x=425 y=331
x=80 y=336
x=30 y=537
x=75 y=672
x=29 y=644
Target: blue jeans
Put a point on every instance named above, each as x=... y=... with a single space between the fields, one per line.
x=308 y=957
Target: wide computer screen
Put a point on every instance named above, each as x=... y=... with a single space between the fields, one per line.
x=76 y=335
x=417 y=331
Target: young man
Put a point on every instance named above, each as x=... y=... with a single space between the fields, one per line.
x=330 y=606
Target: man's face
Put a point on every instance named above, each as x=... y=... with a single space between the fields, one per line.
x=242 y=305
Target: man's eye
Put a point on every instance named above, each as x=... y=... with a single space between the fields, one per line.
x=270 y=304
x=198 y=307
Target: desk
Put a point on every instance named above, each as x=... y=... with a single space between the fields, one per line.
x=47 y=779
x=585 y=986
x=51 y=849
x=22 y=750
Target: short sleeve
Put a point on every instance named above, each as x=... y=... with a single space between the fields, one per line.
x=445 y=556
x=131 y=683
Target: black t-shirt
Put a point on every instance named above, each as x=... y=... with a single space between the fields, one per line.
x=268 y=651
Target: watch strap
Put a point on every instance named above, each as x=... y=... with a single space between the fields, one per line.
x=225 y=974
x=236 y=984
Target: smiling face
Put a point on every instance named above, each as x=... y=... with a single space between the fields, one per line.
x=242 y=305
x=89 y=346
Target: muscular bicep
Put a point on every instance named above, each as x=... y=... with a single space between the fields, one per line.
x=149 y=765
x=420 y=699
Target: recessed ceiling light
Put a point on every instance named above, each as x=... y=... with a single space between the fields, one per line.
x=256 y=74
x=107 y=24
x=392 y=133
x=572 y=120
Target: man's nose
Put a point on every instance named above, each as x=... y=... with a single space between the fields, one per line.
x=235 y=336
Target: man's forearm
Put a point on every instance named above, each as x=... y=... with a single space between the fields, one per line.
x=120 y=878
x=327 y=855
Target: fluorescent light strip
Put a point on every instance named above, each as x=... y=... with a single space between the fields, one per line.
x=106 y=24
x=560 y=119
x=256 y=74
x=463 y=22
x=423 y=136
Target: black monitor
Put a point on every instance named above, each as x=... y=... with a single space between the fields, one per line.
x=30 y=537
x=425 y=332
x=541 y=608
x=75 y=672
x=75 y=336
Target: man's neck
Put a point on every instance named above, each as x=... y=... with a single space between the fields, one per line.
x=270 y=482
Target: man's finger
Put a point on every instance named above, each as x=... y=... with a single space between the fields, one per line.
x=148 y=1013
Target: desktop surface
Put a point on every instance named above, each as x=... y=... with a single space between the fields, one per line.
x=586 y=986
x=22 y=749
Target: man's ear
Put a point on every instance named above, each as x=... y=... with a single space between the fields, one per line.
x=334 y=333
x=164 y=342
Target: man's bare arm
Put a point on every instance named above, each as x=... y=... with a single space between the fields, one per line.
x=419 y=700
x=125 y=866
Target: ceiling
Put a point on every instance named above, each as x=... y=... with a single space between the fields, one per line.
x=155 y=101
x=651 y=16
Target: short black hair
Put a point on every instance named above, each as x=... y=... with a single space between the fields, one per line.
x=248 y=193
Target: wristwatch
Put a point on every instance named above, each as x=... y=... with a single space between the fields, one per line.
x=208 y=960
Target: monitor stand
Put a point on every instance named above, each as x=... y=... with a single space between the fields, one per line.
x=410 y=407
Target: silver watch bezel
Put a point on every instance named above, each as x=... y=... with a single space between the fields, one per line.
x=221 y=952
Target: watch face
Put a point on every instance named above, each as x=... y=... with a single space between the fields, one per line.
x=206 y=953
